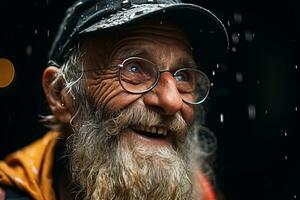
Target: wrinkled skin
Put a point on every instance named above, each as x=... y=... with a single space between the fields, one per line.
x=165 y=46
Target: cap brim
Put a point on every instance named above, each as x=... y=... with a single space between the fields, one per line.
x=205 y=31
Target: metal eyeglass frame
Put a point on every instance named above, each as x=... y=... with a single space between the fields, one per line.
x=158 y=76
x=121 y=65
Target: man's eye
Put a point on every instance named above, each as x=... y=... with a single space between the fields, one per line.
x=134 y=68
x=182 y=76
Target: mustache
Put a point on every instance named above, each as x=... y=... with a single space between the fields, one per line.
x=141 y=116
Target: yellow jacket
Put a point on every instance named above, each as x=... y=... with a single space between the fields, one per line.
x=30 y=170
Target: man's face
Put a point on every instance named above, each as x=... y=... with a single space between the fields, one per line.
x=164 y=45
x=116 y=150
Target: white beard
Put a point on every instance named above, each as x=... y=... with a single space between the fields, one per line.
x=106 y=166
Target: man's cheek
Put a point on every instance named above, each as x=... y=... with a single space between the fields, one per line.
x=108 y=94
x=188 y=112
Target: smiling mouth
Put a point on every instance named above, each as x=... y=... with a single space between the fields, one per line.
x=151 y=132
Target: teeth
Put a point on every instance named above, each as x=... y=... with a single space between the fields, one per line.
x=148 y=129
x=160 y=131
x=152 y=129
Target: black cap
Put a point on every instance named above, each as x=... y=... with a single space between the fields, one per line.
x=206 y=32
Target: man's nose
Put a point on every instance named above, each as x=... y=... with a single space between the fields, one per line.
x=165 y=95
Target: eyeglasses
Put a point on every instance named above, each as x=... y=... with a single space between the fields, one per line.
x=138 y=75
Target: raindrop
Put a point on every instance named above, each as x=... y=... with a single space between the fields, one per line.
x=228 y=23
x=35 y=31
x=221 y=117
x=213 y=73
x=217 y=66
x=211 y=84
x=295 y=196
x=266 y=111
x=248 y=36
x=239 y=77
x=257 y=82
x=28 y=50
x=212 y=32
x=296 y=67
x=201 y=30
x=251 y=111
x=235 y=38
x=164 y=10
x=161 y=22
x=48 y=32
x=296 y=108
x=233 y=49
x=285 y=133
x=238 y=18
x=285 y=157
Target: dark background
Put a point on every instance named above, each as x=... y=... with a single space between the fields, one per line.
x=255 y=90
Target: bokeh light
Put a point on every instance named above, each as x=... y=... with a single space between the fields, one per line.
x=7 y=72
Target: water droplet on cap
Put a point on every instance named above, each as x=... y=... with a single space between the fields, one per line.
x=213 y=73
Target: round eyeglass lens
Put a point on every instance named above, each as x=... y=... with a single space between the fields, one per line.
x=192 y=84
x=138 y=75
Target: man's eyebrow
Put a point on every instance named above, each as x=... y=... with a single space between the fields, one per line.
x=186 y=62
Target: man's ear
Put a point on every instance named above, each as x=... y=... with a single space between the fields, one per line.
x=58 y=99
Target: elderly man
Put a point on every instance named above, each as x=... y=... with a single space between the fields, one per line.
x=125 y=87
